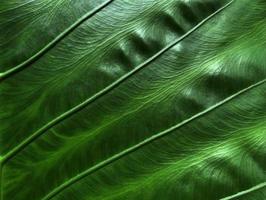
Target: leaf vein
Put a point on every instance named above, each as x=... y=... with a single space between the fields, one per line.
x=244 y=192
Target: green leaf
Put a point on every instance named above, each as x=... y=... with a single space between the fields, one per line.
x=133 y=99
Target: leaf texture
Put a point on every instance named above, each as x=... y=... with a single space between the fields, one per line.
x=139 y=100
x=22 y=36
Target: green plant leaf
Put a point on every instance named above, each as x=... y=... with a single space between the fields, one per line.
x=133 y=99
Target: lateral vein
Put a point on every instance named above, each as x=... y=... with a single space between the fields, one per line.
x=244 y=192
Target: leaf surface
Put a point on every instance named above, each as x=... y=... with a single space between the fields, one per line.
x=28 y=26
x=142 y=100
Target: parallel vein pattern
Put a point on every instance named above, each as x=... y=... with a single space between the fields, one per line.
x=42 y=84
x=142 y=100
x=144 y=142
x=115 y=84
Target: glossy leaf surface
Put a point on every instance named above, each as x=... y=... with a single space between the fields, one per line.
x=133 y=100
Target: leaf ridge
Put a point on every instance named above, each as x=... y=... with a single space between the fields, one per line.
x=50 y=45
x=161 y=134
x=104 y=91
x=244 y=192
